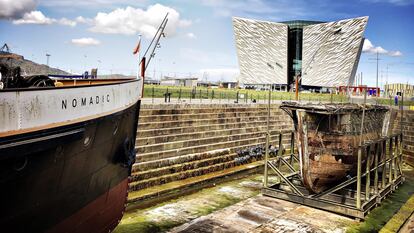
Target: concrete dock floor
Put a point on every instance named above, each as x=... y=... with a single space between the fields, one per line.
x=233 y=206
x=238 y=206
x=408 y=226
x=266 y=214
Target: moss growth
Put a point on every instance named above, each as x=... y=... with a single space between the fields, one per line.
x=399 y=219
x=166 y=215
x=382 y=214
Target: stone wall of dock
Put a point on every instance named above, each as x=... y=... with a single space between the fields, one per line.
x=406 y=124
x=181 y=141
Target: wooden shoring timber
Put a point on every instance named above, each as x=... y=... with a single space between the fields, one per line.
x=355 y=196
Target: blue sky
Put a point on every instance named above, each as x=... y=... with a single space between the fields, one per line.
x=102 y=33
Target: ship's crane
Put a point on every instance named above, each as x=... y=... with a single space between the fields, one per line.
x=155 y=43
x=10 y=76
x=5 y=52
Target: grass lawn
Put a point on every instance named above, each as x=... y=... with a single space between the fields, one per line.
x=156 y=91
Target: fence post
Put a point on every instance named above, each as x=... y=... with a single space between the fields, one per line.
x=153 y=94
x=179 y=94
x=200 y=96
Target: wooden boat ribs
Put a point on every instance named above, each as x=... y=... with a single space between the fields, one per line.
x=328 y=138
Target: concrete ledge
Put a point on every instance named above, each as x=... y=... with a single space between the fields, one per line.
x=171 y=117
x=396 y=223
x=146 y=197
x=197 y=104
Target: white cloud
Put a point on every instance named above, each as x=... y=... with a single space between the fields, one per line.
x=395 y=54
x=81 y=19
x=191 y=35
x=37 y=17
x=34 y=17
x=15 y=9
x=131 y=21
x=67 y=22
x=368 y=47
x=85 y=42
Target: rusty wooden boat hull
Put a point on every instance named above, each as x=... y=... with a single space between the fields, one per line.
x=328 y=137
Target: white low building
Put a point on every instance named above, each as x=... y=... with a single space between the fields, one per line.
x=178 y=82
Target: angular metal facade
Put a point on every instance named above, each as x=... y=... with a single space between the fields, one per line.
x=331 y=52
x=262 y=51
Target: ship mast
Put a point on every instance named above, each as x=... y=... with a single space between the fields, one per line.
x=155 y=43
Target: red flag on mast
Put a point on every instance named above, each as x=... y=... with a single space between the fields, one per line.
x=136 y=50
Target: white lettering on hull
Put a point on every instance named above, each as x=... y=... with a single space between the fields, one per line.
x=36 y=108
x=82 y=101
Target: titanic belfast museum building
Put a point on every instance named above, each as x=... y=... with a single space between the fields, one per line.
x=324 y=54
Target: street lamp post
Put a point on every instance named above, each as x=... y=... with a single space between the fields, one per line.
x=377 y=75
x=47 y=59
x=377 y=59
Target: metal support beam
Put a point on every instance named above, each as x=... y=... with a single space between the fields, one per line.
x=376 y=154
x=390 y=151
x=368 y=177
x=384 y=167
x=359 y=167
x=285 y=179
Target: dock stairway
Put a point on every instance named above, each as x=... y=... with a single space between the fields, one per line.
x=184 y=146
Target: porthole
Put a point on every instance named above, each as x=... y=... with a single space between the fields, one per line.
x=87 y=141
x=20 y=163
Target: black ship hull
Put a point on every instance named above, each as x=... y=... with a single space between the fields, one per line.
x=71 y=178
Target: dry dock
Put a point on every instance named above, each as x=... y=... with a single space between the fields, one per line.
x=187 y=177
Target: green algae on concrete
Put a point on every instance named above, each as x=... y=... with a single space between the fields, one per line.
x=398 y=220
x=166 y=215
x=382 y=214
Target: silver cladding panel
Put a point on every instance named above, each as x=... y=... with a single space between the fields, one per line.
x=331 y=52
x=261 y=50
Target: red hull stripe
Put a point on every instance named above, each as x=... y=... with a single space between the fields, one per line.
x=101 y=215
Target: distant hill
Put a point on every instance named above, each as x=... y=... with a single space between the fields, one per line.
x=28 y=67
